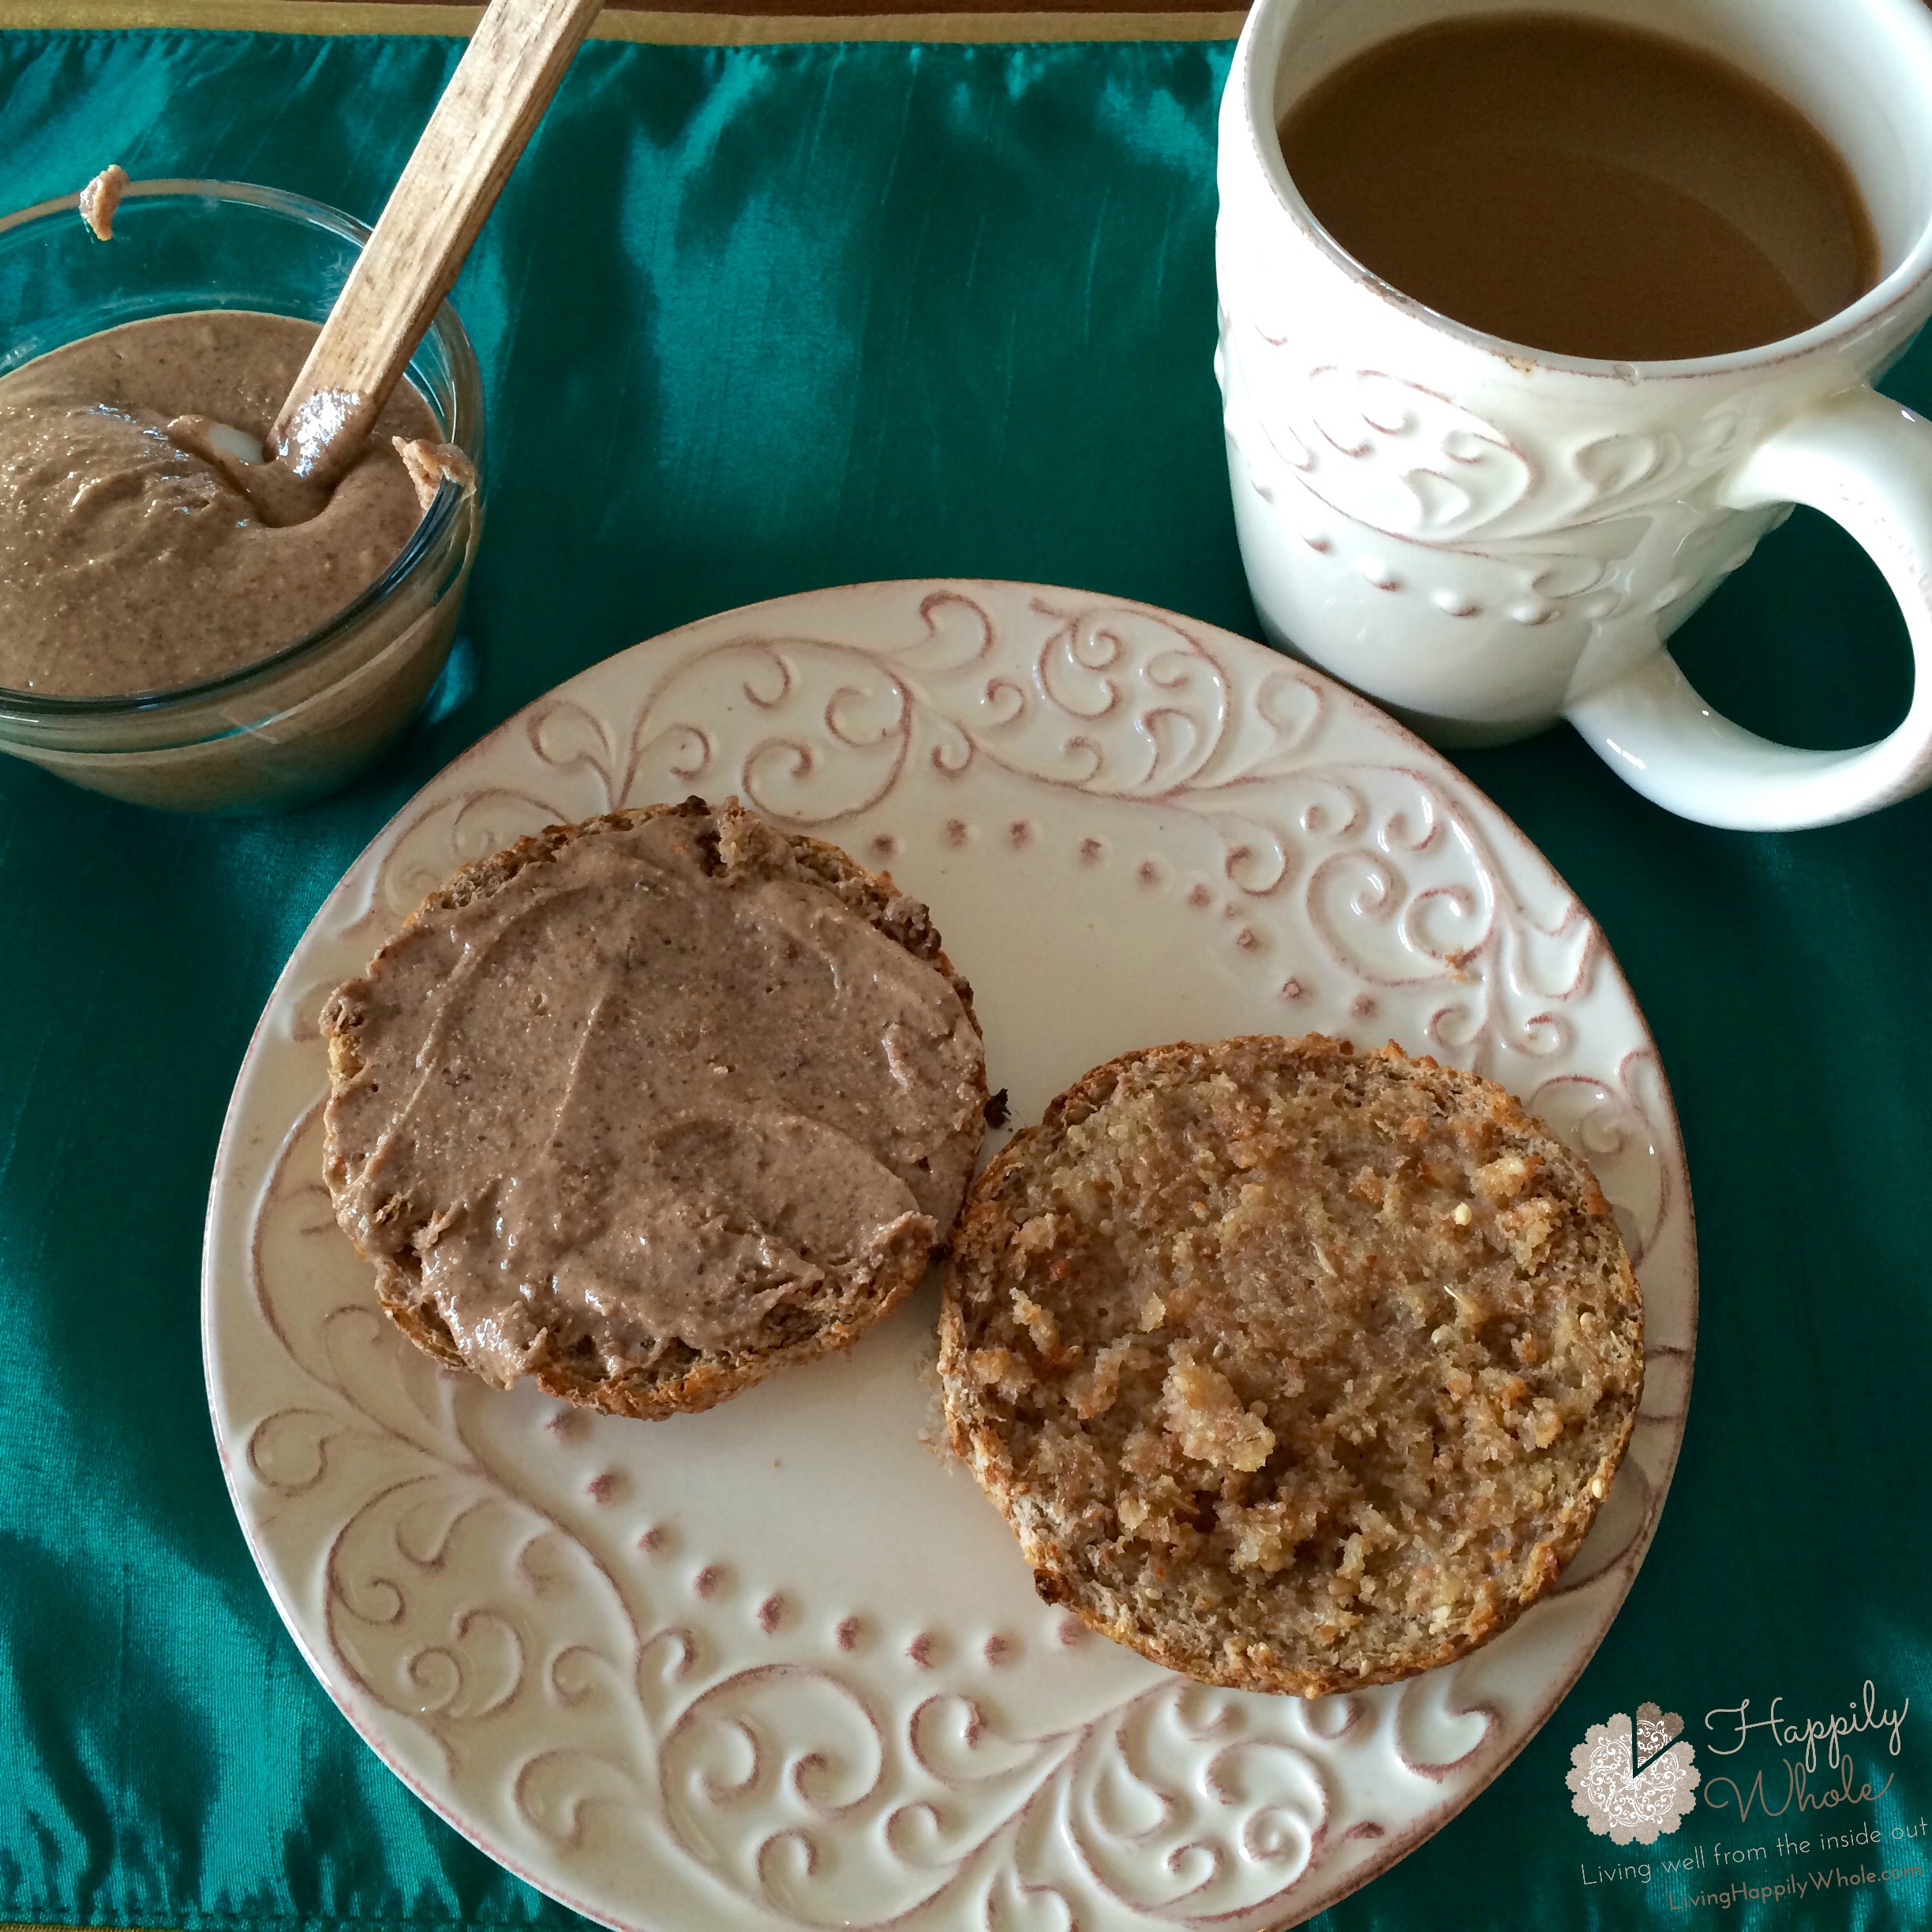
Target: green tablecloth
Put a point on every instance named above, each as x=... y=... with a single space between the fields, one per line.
x=758 y=320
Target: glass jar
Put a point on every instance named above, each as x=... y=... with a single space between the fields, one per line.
x=305 y=720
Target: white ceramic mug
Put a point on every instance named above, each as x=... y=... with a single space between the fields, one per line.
x=1487 y=538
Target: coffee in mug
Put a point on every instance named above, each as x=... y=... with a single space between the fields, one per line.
x=1582 y=187
x=1489 y=519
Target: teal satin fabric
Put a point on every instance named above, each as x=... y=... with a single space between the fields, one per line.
x=753 y=320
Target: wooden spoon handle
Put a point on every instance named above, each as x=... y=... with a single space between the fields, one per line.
x=487 y=112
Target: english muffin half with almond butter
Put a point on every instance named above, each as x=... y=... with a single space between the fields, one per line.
x=1295 y=1368
x=647 y=1107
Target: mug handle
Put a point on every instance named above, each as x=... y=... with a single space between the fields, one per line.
x=1865 y=462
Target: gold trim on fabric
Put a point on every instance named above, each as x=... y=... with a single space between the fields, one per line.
x=651 y=27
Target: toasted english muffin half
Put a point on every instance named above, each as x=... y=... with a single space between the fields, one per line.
x=645 y=1108
x=1293 y=1368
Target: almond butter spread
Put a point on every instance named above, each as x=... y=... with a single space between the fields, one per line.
x=133 y=558
x=641 y=1093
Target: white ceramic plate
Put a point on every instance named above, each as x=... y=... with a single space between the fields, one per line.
x=780 y=1665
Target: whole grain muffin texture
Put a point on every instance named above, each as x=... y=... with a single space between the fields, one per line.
x=1295 y=1368
x=646 y=1107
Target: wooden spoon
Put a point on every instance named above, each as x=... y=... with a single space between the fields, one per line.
x=491 y=107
